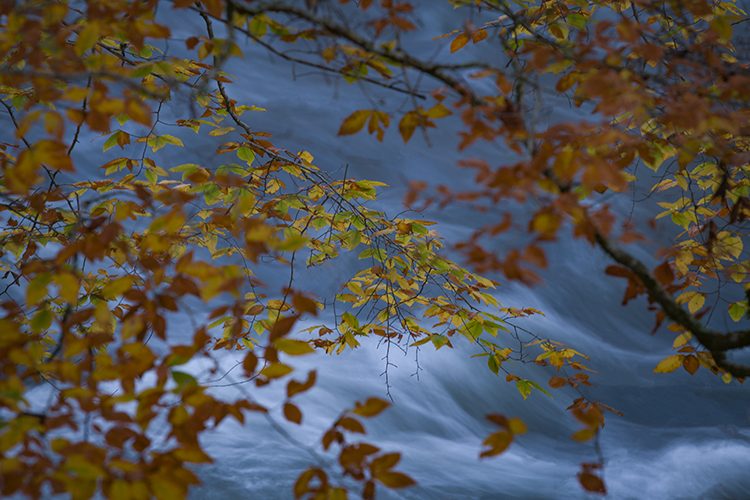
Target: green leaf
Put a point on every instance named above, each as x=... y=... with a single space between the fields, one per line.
x=183 y=379
x=577 y=21
x=737 y=310
x=245 y=153
x=42 y=320
x=523 y=388
x=350 y=320
x=293 y=243
x=538 y=387
x=111 y=141
x=493 y=364
x=439 y=341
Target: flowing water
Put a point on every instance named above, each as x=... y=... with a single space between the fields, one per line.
x=680 y=437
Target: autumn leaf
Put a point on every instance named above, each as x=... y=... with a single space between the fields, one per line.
x=476 y=36
x=669 y=364
x=592 y=483
x=460 y=41
x=394 y=479
x=354 y=122
x=292 y=413
x=372 y=407
x=407 y=125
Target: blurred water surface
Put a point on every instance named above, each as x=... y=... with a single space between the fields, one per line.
x=680 y=437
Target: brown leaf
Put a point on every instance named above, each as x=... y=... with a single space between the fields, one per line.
x=395 y=479
x=368 y=492
x=351 y=425
x=295 y=387
x=250 y=363
x=302 y=304
x=384 y=463
x=592 y=483
x=282 y=327
x=664 y=274
x=557 y=382
x=292 y=413
x=691 y=364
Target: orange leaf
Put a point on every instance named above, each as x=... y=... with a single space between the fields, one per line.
x=691 y=364
x=460 y=41
x=478 y=36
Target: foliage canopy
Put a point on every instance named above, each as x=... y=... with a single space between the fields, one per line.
x=95 y=267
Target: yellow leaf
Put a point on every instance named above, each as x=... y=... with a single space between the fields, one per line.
x=516 y=426
x=68 y=284
x=220 y=131
x=293 y=347
x=354 y=122
x=669 y=364
x=166 y=489
x=276 y=370
x=585 y=434
x=721 y=26
x=460 y=41
x=372 y=407
x=696 y=302
x=407 y=125
x=443 y=36
x=37 y=288
x=438 y=111
x=87 y=38
x=681 y=340
x=306 y=156
x=117 y=287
